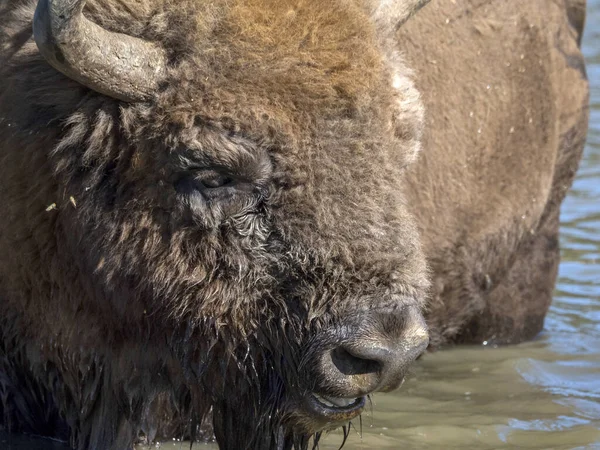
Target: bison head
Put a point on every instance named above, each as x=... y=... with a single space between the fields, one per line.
x=230 y=228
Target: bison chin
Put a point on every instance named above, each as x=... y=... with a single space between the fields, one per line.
x=255 y=398
x=269 y=408
x=289 y=391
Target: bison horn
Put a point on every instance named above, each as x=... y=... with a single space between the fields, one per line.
x=114 y=64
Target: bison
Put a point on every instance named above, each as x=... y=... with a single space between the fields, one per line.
x=259 y=212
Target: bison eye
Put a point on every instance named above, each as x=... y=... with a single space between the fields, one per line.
x=208 y=182
x=208 y=187
x=211 y=179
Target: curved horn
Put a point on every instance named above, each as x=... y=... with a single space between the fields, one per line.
x=114 y=64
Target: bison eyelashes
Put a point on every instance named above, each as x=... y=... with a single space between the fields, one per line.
x=210 y=183
x=211 y=179
x=214 y=191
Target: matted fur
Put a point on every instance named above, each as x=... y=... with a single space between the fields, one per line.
x=124 y=314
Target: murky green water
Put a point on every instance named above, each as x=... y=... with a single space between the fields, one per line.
x=540 y=395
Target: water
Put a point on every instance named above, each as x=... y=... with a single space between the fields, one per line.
x=540 y=395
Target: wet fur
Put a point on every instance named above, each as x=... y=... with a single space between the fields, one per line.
x=125 y=317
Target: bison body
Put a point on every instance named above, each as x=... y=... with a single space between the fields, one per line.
x=260 y=211
x=506 y=95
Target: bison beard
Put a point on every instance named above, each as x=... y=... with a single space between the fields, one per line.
x=215 y=211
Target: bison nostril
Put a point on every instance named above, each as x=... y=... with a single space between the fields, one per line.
x=372 y=358
x=350 y=364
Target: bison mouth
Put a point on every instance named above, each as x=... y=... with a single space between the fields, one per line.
x=334 y=410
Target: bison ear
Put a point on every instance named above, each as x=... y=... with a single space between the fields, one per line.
x=389 y=15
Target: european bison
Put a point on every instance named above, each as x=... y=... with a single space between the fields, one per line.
x=218 y=208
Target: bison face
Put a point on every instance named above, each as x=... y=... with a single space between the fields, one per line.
x=239 y=213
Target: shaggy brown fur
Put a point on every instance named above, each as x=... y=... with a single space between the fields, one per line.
x=120 y=284
x=122 y=293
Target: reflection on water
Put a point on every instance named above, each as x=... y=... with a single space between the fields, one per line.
x=540 y=395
